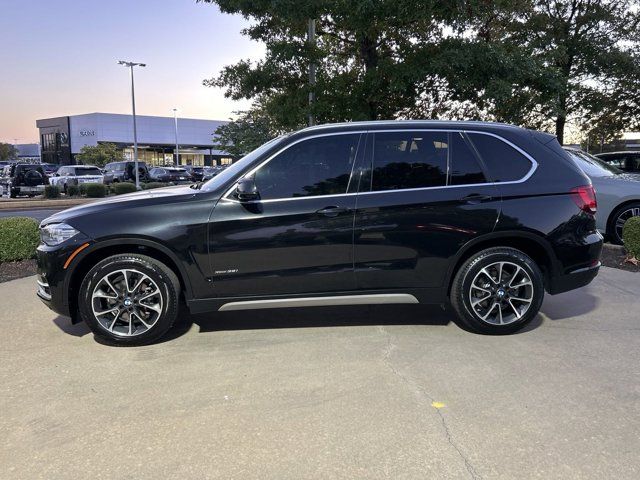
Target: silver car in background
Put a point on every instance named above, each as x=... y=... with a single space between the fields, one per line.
x=618 y=193
x=68 y=175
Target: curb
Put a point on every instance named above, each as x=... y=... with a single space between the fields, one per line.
x=615 y=248
x=44 y=204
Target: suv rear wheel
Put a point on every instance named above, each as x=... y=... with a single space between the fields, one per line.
x=129 y=299
x=497 y=291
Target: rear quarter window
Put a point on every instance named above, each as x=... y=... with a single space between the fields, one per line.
x=504 y=163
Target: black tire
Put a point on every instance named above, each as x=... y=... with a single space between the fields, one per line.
x=614 y=235
x=168 y=288
x=13 y=192
x=507 y=298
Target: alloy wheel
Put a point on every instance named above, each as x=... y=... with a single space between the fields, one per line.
x=501 y=293
x=622 y=218
x=127 y=302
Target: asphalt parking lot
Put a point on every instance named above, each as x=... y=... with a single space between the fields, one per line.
x=37 y=213
x=358 y=392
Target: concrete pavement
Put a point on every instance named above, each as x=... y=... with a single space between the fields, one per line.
x=353 y=392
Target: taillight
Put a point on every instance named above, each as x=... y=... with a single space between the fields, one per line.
x=585 y=198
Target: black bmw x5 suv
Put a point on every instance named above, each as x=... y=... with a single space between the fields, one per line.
x=483 y=216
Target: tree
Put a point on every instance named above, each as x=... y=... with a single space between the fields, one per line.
x=8 y=152
x=534 y=63
x=250 y=130
x=370 y=57
x=100 y=154
x=550 y=62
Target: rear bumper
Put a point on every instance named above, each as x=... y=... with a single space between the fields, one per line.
x=576 y=279
x=26 y=189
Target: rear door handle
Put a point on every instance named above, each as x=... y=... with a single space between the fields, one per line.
x=475 y=198
x=332 y=211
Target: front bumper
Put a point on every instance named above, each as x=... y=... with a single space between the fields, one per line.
x=54 y=280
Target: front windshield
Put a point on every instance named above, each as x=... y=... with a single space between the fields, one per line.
x=592 y=166
x=232 y=170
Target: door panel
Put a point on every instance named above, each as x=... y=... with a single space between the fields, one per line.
x=282 y=247
x=407 y=237
x=302 y=243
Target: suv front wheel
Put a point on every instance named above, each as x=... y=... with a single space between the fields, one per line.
x=497 y=291
x=129 y=299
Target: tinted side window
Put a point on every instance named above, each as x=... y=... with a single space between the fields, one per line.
x=464 y=168
x=409 y=160
x=504 y=162
x=318 y=166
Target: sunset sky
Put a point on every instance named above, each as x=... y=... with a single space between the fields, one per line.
x=60 y=58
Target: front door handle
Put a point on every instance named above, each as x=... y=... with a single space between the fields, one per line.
x=332 y=211
x=475 y=198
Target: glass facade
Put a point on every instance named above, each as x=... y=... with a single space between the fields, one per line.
x=54 y=140
x=159 y=157
x=62 y=138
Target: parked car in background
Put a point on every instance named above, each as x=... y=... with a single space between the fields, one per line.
x=170 y=174
x=75 y=175
x=618 y=193
x=483 y=216
x=125 y=172
x=197 y=172
x=50 y=168
x=626 y=161
x=211 y=172
x=23 y=179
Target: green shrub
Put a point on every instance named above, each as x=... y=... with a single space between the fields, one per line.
x=631 y=236
x=125 y=187
x=73 y=190
x=150 y=185
x=94 y=190
x=19 y=238
x=51 y=191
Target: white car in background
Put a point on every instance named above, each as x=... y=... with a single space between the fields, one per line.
x=618 y=193
x=68 y=175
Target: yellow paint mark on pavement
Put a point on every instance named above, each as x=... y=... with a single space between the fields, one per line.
x=437 y=405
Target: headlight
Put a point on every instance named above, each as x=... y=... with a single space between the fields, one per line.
x=56 y=233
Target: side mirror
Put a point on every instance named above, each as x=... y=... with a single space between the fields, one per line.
x=246 y=190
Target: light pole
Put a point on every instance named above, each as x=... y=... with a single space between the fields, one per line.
x=311 y=39
x=130 y=65
x=175 y=123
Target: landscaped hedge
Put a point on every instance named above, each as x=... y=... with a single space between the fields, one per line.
x=93 y=190
x=51 y=191
x=631 y=236
x=150 y=185
x=19 y=238
x=73 y=190
x=125 y=187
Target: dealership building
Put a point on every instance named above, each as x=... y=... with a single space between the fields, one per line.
x=62 y=138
